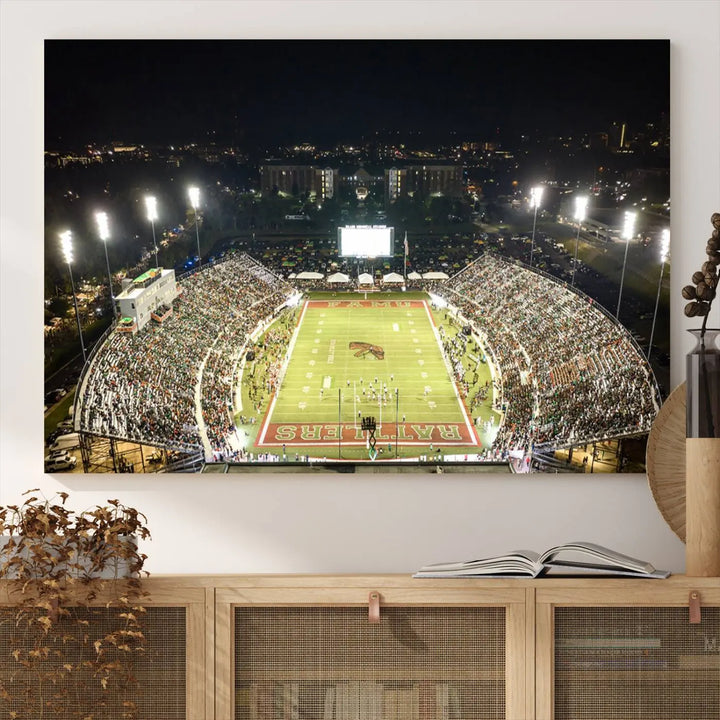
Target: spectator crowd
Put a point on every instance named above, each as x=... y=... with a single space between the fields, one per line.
x=569 y=373
x=163 y=385
x=566 y=372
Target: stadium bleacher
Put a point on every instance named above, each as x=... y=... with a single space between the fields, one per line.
x=148 y=387
x=570 y=373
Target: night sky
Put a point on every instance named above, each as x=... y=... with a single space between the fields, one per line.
x=326 y=91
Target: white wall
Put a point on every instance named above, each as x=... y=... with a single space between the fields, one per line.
x=253 y=523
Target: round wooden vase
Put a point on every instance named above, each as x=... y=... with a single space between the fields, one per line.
x=702 y=458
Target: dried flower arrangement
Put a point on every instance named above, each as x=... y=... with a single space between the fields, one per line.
x=70 y=609
x=702 y=293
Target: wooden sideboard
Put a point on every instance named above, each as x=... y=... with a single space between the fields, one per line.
x=300 y=647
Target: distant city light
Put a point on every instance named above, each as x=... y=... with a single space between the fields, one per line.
x=581 y=204
x=103 y=226
x=151 y=205
x=194 y=194
x=66 y=246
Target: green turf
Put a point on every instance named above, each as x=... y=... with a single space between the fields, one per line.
x=324 y=360
x=322 y=363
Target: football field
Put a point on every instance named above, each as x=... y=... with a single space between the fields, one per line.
x=350 y=359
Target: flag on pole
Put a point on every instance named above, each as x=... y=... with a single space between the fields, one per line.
x=405 y=259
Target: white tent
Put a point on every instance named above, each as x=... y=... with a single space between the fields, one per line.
x=308 y=275
x=338 y=277
x=414 y=276
x=393 y=277
x=292 y=276
x=365 y=279
x=435 y=275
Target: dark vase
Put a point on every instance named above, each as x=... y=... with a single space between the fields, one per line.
x=703 y=386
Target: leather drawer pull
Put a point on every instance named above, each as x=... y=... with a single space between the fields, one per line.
x=374 y=607
x=694 y=606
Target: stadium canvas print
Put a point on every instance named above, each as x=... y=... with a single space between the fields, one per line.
x=418 y=262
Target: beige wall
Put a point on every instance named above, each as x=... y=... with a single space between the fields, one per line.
x=345 y=523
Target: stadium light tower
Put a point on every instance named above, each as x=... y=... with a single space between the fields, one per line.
x=627 y=233
x=194 y=194
x=535 y=199
x=581 y=204
x=151 y=205
x=664 y=252
x=67 y=249
x=104 y=232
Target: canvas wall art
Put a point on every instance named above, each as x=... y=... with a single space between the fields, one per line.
x=355 y=255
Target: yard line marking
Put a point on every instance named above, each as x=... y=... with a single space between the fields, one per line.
x=326 y=434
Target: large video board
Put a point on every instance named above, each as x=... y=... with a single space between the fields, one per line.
x=366 y=241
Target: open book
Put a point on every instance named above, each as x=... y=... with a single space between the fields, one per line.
x=574 y=558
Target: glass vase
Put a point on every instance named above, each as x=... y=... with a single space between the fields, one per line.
x=703 y=385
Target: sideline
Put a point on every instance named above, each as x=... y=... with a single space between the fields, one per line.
x=451 y=376
x=260 y=440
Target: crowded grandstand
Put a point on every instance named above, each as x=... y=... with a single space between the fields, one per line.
x=170 y=384
x=569 y=373
x=564 y=372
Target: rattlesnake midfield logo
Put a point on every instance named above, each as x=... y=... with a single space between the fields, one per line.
x=363 y=348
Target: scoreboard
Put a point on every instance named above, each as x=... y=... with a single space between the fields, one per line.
x=366 y=241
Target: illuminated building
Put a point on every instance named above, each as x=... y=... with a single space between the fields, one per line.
x=147 y=294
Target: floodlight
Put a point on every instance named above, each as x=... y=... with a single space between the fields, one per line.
x=627 y=233
x=66 y=246
x=629 y=225
x=581 y=204
x=194 y=194
x=151 y=205
x=104 y=233
x=664 y=251
x=664 y=245
x=536 y=196
x=103 y=226
x=67 y=249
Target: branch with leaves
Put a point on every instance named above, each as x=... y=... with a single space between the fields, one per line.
x=71 y=609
